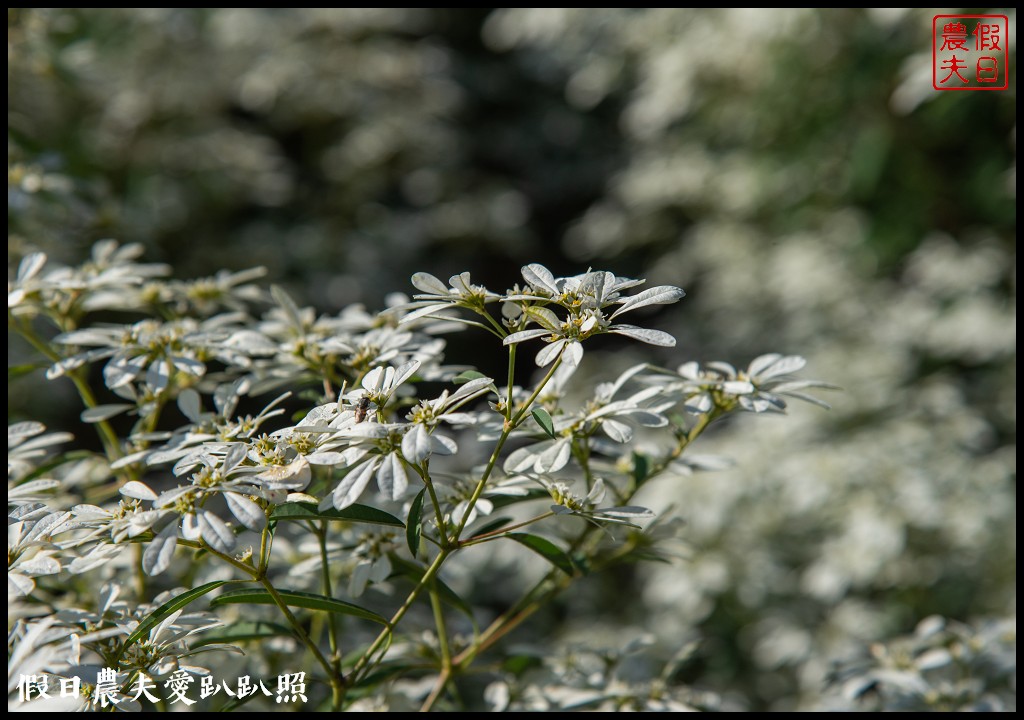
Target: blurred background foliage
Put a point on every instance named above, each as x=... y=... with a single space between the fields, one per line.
x=793 y=170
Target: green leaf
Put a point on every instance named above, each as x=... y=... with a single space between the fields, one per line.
x=296 y=598
x=500 y=501
x=546 y=549
x=242 y=631
x=490 y=527
x=413 y=528
x=353 y=513
x=370 y=684
x=544 y=420
x=641 y=469
x=168 y=608
x=414 y=572
x=467 y=376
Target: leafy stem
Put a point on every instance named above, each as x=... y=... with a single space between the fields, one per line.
x=424 y=473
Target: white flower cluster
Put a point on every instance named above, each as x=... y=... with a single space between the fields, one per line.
x=224 y=483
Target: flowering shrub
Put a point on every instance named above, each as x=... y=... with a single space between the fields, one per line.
x=397 y=468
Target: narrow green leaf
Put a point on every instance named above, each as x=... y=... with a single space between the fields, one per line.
x=169 y=607
x=296 y=598
x=242 y=631
x=641 y=468
x=467 y=376
x=500 y=501
x=353 y=513
x=490 y=527
x=546 y=549
x=414 y=572
x=413 y=528
x=385 y=671
x=544 y=420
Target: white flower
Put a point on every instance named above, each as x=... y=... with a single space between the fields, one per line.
x=436 y=296
x=372 y=562
x=148 y=353
x=759 y=388
x=455 y=493
x=26 y=444
x=109 y=280
x=31 y=551
x=586 y=297
x=570 y=504
x=224 y=289
x=381 y=383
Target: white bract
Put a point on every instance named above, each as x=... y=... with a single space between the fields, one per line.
x=760 y=388
x=586 y=298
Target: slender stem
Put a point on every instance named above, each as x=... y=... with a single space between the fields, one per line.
x=263 y=561
x=479 y=489
x=493 y=634
x=540 y=387
x=247 y=569
x=699 y=427
x=425 y=475
x=523 y=609
x=500 y=335
x=476 y=539
x=686 y=439
x=442 y=629
x=300 y=632
x=439 y=686
x=332 y=623
x=158 y=407
x=502 y=332
x=364 y=661
x=510 y=425
x=581 y=451
x=511 y=378
x=446 y=655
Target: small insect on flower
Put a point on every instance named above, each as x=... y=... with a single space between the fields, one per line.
x=362 y=408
